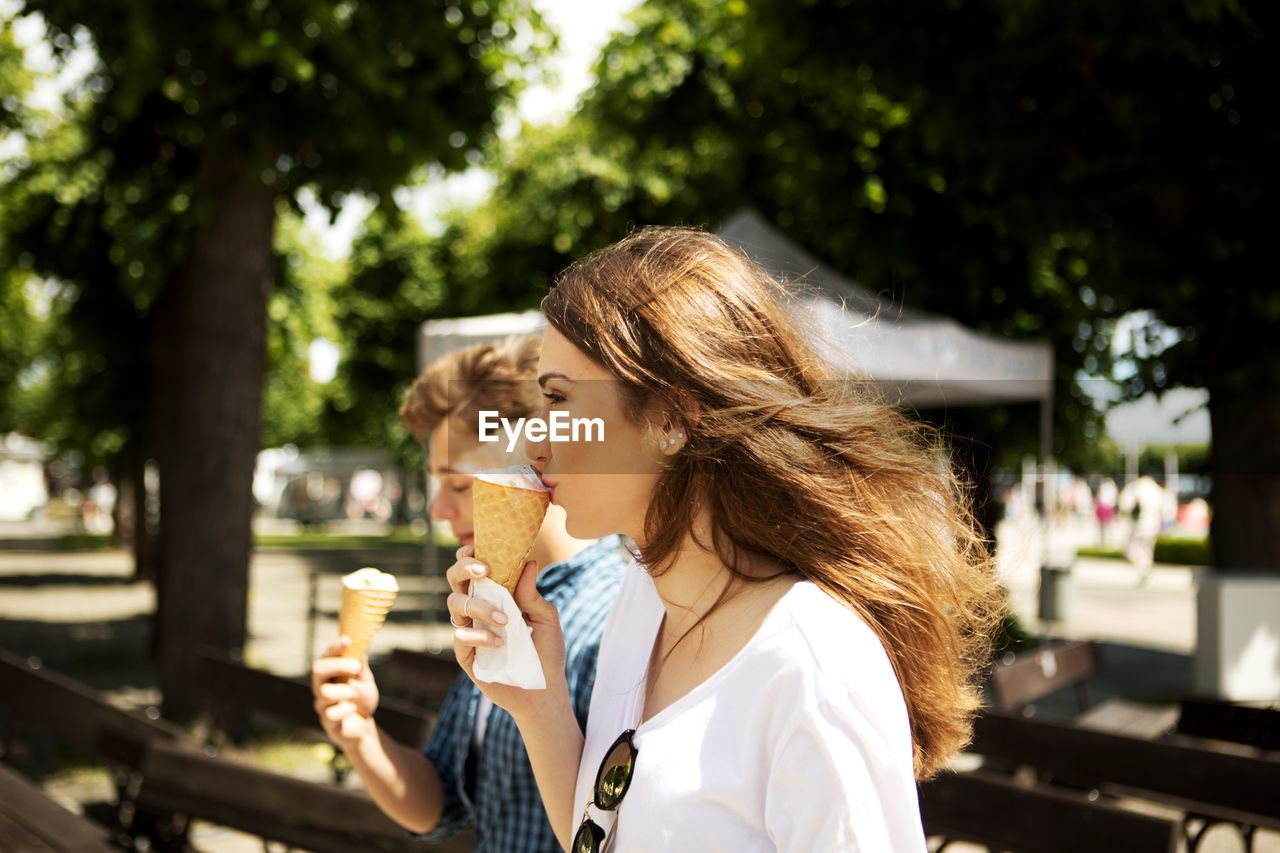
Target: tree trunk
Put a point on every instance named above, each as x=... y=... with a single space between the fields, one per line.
x=210 y=330
x=131 y=504
x=1245 y=468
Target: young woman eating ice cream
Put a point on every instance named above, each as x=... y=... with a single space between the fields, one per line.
x=798 y=640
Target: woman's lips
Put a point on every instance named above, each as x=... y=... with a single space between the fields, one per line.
x=467 y=539
x=551 y=487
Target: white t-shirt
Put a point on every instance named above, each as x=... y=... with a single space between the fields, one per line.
x=800 y=743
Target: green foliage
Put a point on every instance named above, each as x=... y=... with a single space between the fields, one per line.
x=21 y=332
x=1174 y=550
x=343 y=98
x=1034 y=170
x=393 y=285
x=300 y=310
x=15 y=80
x=340 y=98
x=1106 y=458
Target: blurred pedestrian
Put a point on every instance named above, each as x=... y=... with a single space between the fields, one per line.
x=1104 y=507
x=1148 y=503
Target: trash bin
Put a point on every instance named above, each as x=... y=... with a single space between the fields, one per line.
x=1055 y=593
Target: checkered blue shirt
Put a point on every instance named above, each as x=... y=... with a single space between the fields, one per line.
x=506 y=811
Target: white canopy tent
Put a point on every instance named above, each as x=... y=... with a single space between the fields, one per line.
x=921 y=360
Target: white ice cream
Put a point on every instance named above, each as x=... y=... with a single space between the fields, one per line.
x=369 y=578
x=518 y=476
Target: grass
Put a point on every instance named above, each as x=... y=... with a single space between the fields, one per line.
x=85 y=542
x=401 y=537
x=1176 y=550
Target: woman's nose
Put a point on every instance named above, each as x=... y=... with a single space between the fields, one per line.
x=537 y=452
x=442 y=507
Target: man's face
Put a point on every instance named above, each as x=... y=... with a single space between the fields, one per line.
x=453 y=457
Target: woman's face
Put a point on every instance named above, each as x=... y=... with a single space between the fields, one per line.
x=603 y=485
x=453 y=457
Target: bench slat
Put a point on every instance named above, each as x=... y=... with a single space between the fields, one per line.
x=1232 y=787
x=1036 y=673
x=31 y=821
x=1256 y=727
x=420 y=676
x=226 y=680
x=16 y=838
x=77 y=714
x=995 y=811
x=304 y=814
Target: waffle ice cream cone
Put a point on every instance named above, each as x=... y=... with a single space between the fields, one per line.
x=367 y=595
x=508 y=507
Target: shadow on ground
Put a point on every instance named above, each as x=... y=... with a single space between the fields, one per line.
x=65 y=579
x=106 y=655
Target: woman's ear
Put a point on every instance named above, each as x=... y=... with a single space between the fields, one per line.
x=668 y=423
x=671 y=438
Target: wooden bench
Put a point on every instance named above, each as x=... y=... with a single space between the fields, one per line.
x=1209 y=786
x=150 y=756
x=75 y=714
x=313 y=816
x=1018 y=680
x=41 y=701
x=420 y=677
x=228 y=686
x=31 y=822
x=1226 y=721
x=1000 y=814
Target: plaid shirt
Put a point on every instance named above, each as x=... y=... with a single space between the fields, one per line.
x=502 y=804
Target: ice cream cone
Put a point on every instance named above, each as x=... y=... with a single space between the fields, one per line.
x=508 y=508
x=366 y=597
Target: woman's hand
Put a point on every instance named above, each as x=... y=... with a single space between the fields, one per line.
x=478 y=617
x=346 y=696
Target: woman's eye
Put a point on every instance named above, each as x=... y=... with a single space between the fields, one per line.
x=460 y=489
x=553 y=397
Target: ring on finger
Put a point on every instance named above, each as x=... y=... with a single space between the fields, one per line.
x=464 y=613
x=466 y=609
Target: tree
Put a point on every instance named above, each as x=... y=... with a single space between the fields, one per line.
x=21 y=333
x=1131 y=148
x=200 y=120
x=1032 y=169
x=301 y=309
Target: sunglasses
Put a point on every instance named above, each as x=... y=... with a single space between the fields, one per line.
x=612 y=781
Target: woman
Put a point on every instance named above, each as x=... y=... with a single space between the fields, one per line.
x=474 y=772
x=800 y=637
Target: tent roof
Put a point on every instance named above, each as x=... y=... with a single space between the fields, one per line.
x=920 y=359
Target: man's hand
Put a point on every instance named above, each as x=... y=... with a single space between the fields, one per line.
x=346 y=696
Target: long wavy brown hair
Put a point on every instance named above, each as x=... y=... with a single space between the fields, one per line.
x=793 y=460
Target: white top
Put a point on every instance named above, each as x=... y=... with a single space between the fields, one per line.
x=801 y=742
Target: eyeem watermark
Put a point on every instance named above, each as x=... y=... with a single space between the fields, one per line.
x=559 y=427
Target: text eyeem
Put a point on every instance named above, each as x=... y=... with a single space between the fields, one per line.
x=560 y=427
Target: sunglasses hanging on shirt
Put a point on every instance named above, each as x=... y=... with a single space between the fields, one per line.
x=612 y=781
